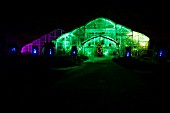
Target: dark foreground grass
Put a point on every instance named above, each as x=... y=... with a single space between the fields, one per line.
x=138 y=64
x=21 y=61
x=29 y=85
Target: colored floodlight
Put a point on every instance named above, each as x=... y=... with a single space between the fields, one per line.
x=34 y=50
x=13 y=49
x=128 y=54
x=160 y=53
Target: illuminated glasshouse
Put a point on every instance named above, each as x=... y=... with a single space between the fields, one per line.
x=99 y=37
x=37 y=46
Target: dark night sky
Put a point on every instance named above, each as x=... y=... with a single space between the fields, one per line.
x=27 y=19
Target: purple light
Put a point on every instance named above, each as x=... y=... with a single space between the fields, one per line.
x=41 y=41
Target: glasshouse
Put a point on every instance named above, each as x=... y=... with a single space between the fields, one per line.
x=99 y=37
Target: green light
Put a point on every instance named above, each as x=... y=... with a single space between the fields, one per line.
x=112 y=37
x=106 y=52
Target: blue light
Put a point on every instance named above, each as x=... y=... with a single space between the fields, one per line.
x=13 y=49
x=50 y=51
x=160 y=53
x=74 y=52
x=128 y=54
x=35 y=51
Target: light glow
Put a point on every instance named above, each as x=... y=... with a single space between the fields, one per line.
x=112 y=36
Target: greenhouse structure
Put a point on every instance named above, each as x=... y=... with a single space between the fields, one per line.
x=99 y=37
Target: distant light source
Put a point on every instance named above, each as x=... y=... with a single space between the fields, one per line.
x=128 y=51
x=13 y=49
x=74 y=50
x=34 y=50
x=160 y=53
x=50 y=51
x=128 y=54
